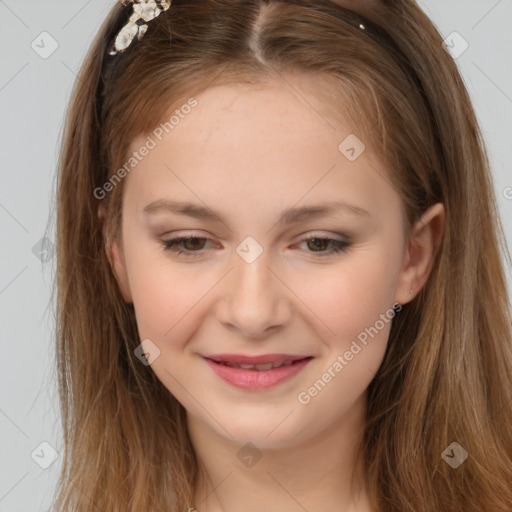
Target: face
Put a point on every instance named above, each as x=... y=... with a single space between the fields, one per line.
x=291 y=250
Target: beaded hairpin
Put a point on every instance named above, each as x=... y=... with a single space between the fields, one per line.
x=143 y=12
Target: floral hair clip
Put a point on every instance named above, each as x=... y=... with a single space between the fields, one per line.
x=143 y=11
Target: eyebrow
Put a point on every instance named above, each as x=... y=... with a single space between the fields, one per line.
x=289 y=216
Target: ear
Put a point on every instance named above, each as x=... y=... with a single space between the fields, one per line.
x=115 y=257
x=421 y=251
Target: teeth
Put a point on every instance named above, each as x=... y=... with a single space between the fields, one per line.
x=265 y=366
x=284 y=363
x=258 y=367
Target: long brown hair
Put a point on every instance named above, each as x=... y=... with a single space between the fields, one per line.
x=447 y=374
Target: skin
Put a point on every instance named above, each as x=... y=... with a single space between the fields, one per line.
x=249 y=153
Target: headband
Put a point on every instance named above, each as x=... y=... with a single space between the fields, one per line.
x=146 y=10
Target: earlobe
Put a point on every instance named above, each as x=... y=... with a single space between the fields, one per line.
x=421 y=252
x=115 y=257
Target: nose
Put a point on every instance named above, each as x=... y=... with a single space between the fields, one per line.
x=254 y=300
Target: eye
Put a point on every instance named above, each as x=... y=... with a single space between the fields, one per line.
x=193 y=246
x=319 y=244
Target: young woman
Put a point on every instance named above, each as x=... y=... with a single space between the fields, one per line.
x=280 y=278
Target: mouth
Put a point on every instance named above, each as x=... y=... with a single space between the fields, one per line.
x=258 y=372
x=258 y=363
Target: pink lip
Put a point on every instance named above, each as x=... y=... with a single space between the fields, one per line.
x=266 y=358
x=254 y=379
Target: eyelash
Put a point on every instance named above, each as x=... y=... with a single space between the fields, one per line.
x=168 y=245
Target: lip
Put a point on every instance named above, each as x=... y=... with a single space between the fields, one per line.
x=256 y=380
x=265 y=358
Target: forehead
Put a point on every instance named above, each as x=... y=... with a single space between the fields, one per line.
x=273 y=144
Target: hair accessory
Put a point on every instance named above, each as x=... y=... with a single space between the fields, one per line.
x=143 y=11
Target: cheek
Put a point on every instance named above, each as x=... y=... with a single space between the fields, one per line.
x=355 y=302
x=350 y=297
x=164 y=295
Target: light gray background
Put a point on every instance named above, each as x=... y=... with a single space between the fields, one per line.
x=33 y=95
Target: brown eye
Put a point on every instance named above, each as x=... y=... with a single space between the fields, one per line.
x=191 y=244
x=318 y=243
x=321 y=245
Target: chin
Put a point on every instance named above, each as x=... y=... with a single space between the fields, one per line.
x=269 y=433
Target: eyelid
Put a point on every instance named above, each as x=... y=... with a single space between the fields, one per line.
x=301 y=238
x=307 y=234
x=320 y=234
x=338 y=245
